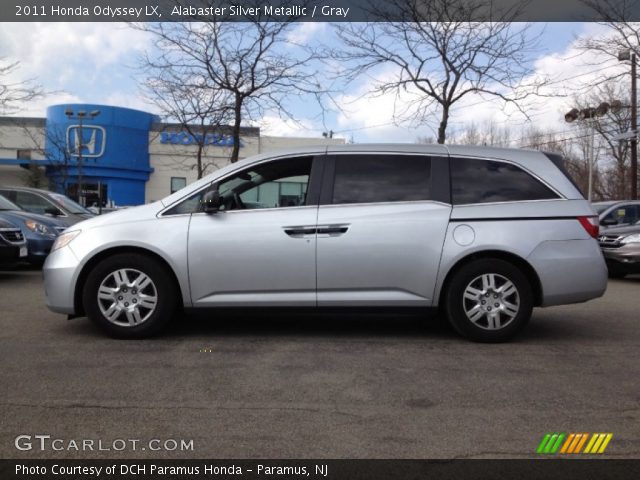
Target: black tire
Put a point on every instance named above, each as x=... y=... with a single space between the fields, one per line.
x=470 y=275
x=162 y=284
x=613 y=273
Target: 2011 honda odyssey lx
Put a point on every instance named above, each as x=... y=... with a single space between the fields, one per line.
x=485 y=234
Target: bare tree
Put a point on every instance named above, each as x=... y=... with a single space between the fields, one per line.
x=616 y=15
x=439 y=54
x=251 y=66
x=50 y=144
x=201 y=112
x=487 y=133
x=14 y=93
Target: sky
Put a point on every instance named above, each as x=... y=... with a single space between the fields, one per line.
x=96 y=63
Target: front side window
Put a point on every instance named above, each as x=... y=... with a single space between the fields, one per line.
x=275 y=184
x=485 y=181
x=381 y=178
x=623 y=215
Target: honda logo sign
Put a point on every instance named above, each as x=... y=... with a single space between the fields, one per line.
x=87 y=141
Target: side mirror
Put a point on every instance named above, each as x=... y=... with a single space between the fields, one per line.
x=609 y=221
x=53 y=211
x=211 y=201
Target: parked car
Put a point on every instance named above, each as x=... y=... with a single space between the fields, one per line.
x=485 y=234
x=621 y=250
x=617 y=213
x=40 y=231
x=13 y=246
x=44 y=202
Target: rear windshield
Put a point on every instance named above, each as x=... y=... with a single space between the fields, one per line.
x=558 y=161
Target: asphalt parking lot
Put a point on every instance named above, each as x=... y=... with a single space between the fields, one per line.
x=260 y=385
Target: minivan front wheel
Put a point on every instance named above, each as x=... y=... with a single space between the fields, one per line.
x=489 y=300
x=129 y=296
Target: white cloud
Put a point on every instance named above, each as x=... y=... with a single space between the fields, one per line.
x=83 y=62
x=305 y=31
x=275 y=126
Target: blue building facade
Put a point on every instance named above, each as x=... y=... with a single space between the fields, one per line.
x=100 y=147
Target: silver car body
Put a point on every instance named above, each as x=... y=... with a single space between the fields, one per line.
x=374 y=254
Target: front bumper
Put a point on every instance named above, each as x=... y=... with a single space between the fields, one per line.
x=39 y=247
x=623 y=259
x=60 y=274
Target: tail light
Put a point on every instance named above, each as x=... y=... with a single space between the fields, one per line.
x=591 y=224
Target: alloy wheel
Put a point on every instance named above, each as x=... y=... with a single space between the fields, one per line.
x=127 y=297
x=491 y=301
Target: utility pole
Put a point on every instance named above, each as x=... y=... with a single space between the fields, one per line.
x=629 y=55
x=634 y=127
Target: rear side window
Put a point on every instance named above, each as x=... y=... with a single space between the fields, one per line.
x=484 y=181
x=381 y=178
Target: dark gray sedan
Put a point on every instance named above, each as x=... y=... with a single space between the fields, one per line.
x=621 y=249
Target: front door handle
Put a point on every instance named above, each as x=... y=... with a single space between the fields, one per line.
x=299 y=231
x=332 y=230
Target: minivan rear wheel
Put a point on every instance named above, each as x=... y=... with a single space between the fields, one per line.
x=489 y=300
x=129 y=296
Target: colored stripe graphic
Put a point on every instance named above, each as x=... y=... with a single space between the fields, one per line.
x=550 y=443
x=567 y=443
x=572 y=443
x=543 y=443
x=582 y=441
x=598 y=443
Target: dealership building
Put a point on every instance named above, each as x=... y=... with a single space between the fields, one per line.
x=120 y=155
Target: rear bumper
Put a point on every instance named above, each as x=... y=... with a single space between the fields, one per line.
x=570 y=271
x=59 y=271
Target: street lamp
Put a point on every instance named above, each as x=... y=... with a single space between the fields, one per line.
x=589 y=116
x=79 y=116
x=624 y=55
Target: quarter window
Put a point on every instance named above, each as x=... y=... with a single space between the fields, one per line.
x=484 y=181
x=381 y=178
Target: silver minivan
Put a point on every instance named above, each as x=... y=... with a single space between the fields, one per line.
x=484 y=234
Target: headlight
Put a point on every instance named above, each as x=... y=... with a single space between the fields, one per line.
x=635 y=238
x=38 y=228
x=64 y=239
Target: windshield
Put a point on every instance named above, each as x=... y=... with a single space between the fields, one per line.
x=6 y=204
x=68 y=204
